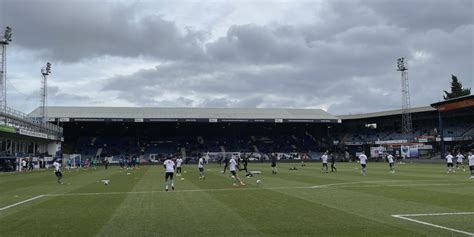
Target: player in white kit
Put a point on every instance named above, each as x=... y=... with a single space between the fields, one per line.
x=324 y=160
x=363 y=163
x=470 y=157
x=391 y=163
x=169 y=173
x=201 y=167
x=57 y=171
x=460 y=161
x=233 y=170
x=449 y=162
x=179 y=163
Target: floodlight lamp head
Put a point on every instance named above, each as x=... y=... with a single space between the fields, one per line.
x=7 y=34
x=48 y=67
x=401 y=65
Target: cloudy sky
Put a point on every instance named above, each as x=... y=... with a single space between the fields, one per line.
x=336 y=55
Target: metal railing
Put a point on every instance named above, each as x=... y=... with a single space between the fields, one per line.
x=21 y=120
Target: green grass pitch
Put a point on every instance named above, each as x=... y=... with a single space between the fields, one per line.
x=303 y=202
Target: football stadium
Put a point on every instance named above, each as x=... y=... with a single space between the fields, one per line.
x=128 y=197
x=75 y=166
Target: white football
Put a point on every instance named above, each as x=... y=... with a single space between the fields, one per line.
x=106 y=182
x=259 y=181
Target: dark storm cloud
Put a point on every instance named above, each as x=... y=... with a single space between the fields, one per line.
x=76 y=30
x=258 y=62
x=343 y=60
x=257 y=44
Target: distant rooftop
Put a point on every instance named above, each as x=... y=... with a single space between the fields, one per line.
x=385 y=113
x=57 y=112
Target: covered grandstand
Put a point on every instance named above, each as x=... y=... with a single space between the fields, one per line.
x=150 y=114
x=156 y=132
x=22 y=136
x=148 y=132
x=383 y=129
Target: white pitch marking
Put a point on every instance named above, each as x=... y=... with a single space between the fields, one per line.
x=216 y=190
x=176 y=191
x=222 y=189
x=404 y=217
x=375 y=181
x=393 y=185
x=438 y=214
x=19 y=203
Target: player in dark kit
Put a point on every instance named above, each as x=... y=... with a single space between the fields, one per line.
x=274 y=163
x=333 y=163
x=304 y=157
x=245 y=162
x=106 y=163
x=129 y=163
x=226 y=163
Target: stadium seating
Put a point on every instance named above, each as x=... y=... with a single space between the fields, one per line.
x=451 y=129
x=191 y=139
x=112 y=146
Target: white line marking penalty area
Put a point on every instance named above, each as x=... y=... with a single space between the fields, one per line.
x=341 y=185
x=19 y=203
x=406 y=217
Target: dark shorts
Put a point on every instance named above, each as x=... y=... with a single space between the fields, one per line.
x=458 y=163
x=169 y=175
x=450 y=164
x=58 y=173
x=390 y=164
x=233 y=172
x=274 y=164
x=363 y=165
x=471 y=167
x=201 y=169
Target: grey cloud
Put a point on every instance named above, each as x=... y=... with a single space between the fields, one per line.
x=65 y=99
x=347 y=74
x=58 y=97
x=422 y=15
x=257 y=44
x=344 y=61
x=76 y=30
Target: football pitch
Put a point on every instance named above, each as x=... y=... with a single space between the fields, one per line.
x=418 y=200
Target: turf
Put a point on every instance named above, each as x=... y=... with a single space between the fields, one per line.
x=303 y=202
